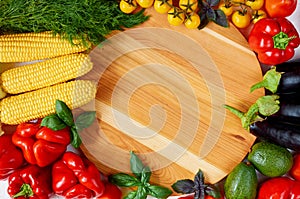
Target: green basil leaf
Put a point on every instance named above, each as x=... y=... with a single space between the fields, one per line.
x=184 y=186
x=136 y=165
x=64 y=112
x=158 y=191
x=53 y=122
x=75 y=138
x=141 y=193
x=146 y=174
x=131 y=195
x=221 y=18
x=85 y=119
x=124 y=180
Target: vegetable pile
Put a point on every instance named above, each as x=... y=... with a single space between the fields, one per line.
x=274 y=119
x=37 y=164
x=34 y=159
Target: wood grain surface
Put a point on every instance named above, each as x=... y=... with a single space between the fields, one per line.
x=160 y=94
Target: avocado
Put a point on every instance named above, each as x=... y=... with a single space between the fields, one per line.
x=241 y=183
x=270 y=159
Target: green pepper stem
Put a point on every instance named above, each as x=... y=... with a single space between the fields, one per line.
x=25 y=191
x=281 y=40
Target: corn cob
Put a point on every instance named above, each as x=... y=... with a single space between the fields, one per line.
x=46 y=73
x=40 y=103
x=27 y=47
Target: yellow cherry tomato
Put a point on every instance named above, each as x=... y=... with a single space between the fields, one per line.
x=188 y=5
x=258 y=15
x=145 y=3
x=128 y=6
x=255 y=4
x=240 y=20
x=193 y=21
x=162 y=6
x=227 y=9
x=176 y=16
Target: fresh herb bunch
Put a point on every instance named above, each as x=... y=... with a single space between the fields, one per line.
x=83 y=20
x=142 y=174
x=208 y=12
x=196 y=186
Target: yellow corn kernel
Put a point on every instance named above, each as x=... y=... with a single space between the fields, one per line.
x=40 y=103
x=27 y=47
x=46 y=73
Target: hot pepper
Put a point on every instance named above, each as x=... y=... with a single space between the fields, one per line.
x=76 y=177
x=31 y=182
x=11 y=158
x=295 y=171
x=41 y=145
x=279 y=188
x=274 y=40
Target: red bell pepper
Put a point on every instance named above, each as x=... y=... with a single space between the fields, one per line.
x=274 y=40
x=279 y=188
x=11 y=158
x=41 y=145
x=31 y=182
x=295 y=171
x=76 y=177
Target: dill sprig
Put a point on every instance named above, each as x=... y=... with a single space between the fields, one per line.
x=83 y=20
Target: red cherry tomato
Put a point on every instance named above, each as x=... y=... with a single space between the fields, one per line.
x=111 y=192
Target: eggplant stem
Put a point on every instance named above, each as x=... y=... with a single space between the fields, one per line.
x=235 y=111
x=270 y=81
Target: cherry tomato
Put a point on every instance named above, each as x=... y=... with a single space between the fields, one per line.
x=240 y=20
x=111 y=192
x=255 y=4
x=145 y=3
x=188 y=5
x=192 y=21
x=128 y=6
x=280 y=8
x=176 y=16
x=162 y=6
x=227 y=9
x=258 y=15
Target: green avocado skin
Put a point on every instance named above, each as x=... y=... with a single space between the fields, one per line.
x=271 y=160
x=241 y=183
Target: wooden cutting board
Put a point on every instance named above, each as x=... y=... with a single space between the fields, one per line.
x=160 y=94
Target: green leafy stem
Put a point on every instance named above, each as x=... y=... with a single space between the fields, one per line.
x=140 y=179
